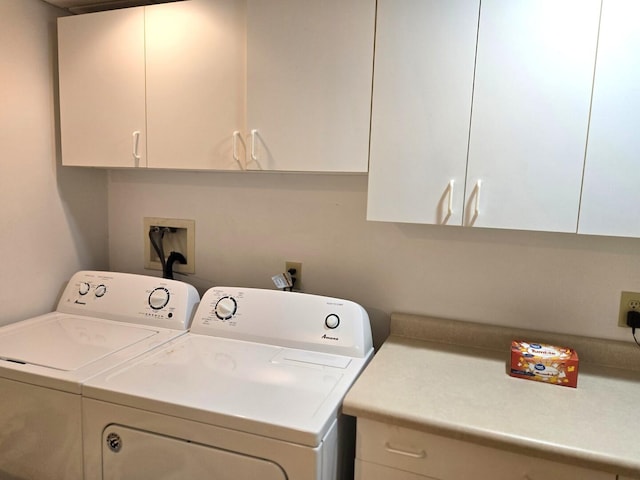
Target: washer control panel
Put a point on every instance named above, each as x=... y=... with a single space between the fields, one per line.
x=291 y=319
x=132 y=298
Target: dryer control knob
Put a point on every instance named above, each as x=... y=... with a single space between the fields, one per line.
x=159 y=298
x=84 y=288
x=226 y=308
x=101 y=290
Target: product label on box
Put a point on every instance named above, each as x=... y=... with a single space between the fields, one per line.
x=544 y=363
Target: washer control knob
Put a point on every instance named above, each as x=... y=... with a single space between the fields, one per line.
x=101 y=290
x=159 y=298
x=226 y=308
x=332 y=321
x=84 y=288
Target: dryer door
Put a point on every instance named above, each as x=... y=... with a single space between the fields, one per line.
x=128 y=453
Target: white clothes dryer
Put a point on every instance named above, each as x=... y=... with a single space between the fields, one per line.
x=253 y=391
x=102 y=320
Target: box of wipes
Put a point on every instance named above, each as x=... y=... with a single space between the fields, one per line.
x=544 y=363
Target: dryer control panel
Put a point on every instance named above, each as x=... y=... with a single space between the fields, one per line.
x=288 y=319
x=132 y=298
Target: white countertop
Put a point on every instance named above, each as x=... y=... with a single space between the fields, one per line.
x=465 y=393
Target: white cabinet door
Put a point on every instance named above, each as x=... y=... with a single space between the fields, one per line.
x=309 y=71
x=611 y=189
x=195 y=65
x=424 y=63
x=534 y=73
x=102 y=88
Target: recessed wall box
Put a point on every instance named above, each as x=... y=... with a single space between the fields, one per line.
x=179 y=236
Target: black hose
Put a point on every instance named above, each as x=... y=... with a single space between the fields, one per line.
x=167 y=271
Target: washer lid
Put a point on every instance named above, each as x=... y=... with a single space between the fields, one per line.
x=68 y=343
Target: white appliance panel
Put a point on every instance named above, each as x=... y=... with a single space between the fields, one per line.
x=140 y=455
x=68 y=343
x=288 y=319
x=298 y=461
x=40 y=432
x=127 y=298
x=284 y=393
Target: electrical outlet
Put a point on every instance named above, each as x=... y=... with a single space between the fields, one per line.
x=628 y=301
x=180 y=238
x=297 y=266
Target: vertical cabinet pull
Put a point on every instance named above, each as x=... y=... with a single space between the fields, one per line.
x=476 y=210
x=254 y=133
x=136 y=143
x=450 y=203
x=236 y=157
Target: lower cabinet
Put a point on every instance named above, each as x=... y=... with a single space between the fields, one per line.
x=388 y=452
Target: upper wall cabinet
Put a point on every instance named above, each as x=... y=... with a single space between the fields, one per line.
x=611 y=189
x=159 y=86
x=309 y=70
x=219 y=84
x=424 y=63
x=525 y=129
x=532 y=94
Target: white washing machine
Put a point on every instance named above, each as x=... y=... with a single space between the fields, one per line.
x=102 y=320
x=253 y=391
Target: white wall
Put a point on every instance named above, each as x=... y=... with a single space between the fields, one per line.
x=52 y=219
x=249 y=224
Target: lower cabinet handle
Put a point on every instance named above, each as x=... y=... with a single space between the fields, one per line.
x=406 y=453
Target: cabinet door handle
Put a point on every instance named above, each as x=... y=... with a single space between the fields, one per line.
x=406 y=453
x=254 y=133
x=450 y=204
x=136 y=143
x=236 y=157
x=477 y=203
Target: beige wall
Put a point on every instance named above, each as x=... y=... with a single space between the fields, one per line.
x=52 y=220
x=249 y=224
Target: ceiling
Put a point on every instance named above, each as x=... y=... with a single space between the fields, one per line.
x=85 y=6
